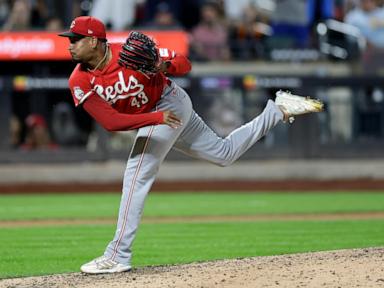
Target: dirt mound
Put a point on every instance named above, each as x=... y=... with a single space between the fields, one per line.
x=343 y=268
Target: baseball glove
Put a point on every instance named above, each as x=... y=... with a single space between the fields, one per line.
x=139 y=53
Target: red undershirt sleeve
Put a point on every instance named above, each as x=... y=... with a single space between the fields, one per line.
x=113 y=120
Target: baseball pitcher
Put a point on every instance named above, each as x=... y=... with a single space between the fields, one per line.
x=124 y=86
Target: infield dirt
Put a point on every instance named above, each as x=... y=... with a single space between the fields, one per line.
x=343 y=268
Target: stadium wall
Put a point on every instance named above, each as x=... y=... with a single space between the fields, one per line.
x=277 y=175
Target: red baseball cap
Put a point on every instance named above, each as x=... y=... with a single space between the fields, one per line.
x=86 y=26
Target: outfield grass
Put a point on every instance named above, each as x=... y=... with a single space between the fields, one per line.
x=46 y=250
x=88 y=206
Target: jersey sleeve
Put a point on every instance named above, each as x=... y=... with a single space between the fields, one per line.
x=80 y=87
x=179 y=64
x=112 y=120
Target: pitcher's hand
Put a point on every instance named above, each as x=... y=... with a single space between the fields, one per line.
x=171 y=119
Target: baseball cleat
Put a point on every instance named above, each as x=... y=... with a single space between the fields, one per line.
x=297 y=105
x=104 y=264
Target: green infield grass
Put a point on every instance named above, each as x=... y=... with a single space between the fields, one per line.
x=40 y=250
x=89 y=206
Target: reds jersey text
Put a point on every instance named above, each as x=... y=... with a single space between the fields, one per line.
x=125 y=90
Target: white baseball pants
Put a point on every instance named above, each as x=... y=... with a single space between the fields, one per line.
x=194 y=138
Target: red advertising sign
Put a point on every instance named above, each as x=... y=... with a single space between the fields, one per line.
x=41 y=45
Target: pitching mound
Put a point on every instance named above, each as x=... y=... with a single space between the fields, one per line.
x=343 y=268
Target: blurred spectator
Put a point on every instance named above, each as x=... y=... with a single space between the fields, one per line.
x=64 y=128
x=4 y=11
x=37 y=135
x=15 y=131
x=292 y=21
x=116 y=14
x=342 y=7
x=54 y=24
x=248 y=32
x=39 y=14
x=234 y=10
x=369 y=18
x=164 y=19
x=189 y=16
x=67 y=10
x=151 y=7
x=209 y=39
x=19 y=18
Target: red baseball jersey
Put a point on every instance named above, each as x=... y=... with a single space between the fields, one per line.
x=115 y=94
